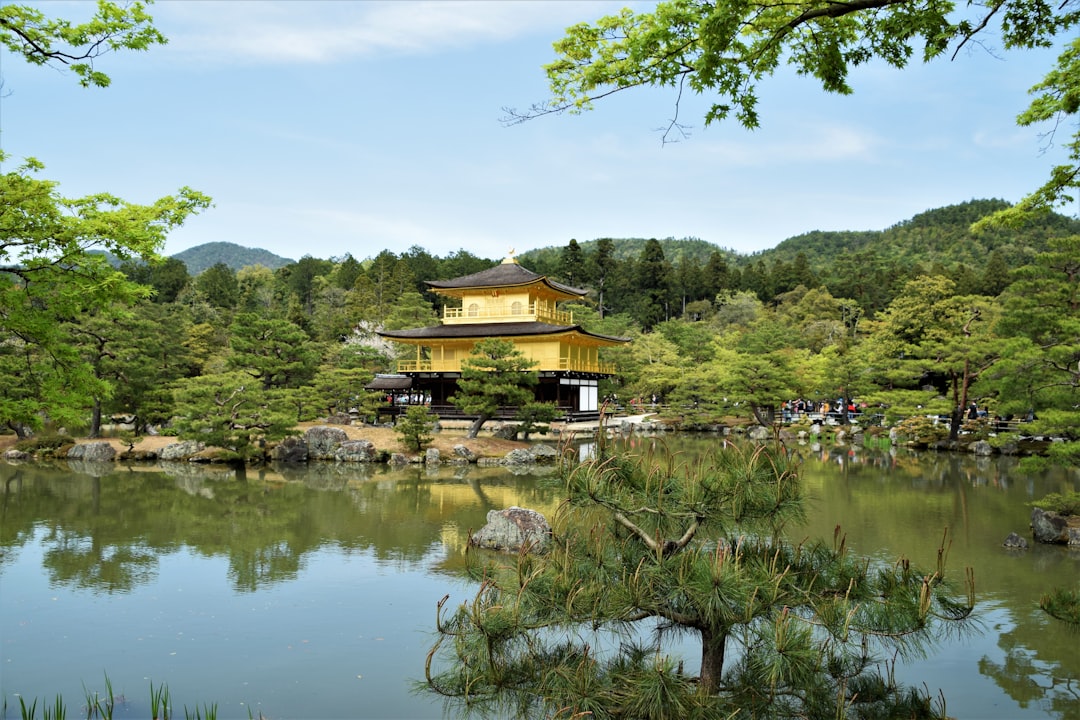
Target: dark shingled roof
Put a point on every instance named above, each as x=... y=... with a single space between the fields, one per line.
x=389 y=382
x=483 y=330
x=505 y=274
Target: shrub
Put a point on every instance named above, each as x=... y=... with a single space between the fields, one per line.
x=44 y=442
x=1063 y=504
x=414 y=427
x=921 y=430
x=1062 y=604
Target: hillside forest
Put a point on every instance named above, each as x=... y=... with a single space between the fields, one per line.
x=922 y=319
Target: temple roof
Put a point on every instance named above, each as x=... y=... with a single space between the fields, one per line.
x=389 y=382
x=501 y=329
x=507 y=274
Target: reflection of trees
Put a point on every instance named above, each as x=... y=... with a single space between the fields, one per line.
x=83 y=562
x=250 y=569
x=106 y=532
x=1028 y=681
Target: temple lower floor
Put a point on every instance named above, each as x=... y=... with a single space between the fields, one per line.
x=575 y=394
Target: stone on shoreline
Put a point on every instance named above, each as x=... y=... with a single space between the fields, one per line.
x=92 y=452
x=512 y=529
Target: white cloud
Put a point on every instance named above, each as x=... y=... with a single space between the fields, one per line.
x=825 y=143
x=323 y=32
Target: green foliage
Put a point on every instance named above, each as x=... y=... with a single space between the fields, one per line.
x=218 y=286
x=415 y=426
x=1062 y=503
x=44 y=442
x=60 y=43
x=275 y=352
x=921 y=430
x=533 y=417
x=1062 y=604
x=1039 y=365
x=160 y=701
x=410 y=311
x=167 y=276
x=51 y=279
x=495 y=375
x=647 y=549
x=1056 y=98
x=230 y=411
x=336 y=390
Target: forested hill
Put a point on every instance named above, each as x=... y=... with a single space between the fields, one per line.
x=235 y=256
x=939 y=237
x=936 y=238
x=675 y=251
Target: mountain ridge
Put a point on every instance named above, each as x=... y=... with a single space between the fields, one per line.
x=939 y=236
x=204 y=256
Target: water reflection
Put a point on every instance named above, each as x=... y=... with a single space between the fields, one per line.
x=349 y=544
x=105 y=529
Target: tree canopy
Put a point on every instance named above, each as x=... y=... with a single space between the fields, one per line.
x=51 y=278
x=42 y=40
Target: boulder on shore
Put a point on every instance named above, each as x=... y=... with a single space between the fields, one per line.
x=92 y=452
x=512 y=529
x=355 y=451
x=290 y=450
x=1053 y=528
x=181 y=450
x=1015 y=542
x=460 y=451
x=323 y=441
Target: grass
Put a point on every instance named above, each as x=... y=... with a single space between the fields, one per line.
x=1062 y=604
x=100 y=707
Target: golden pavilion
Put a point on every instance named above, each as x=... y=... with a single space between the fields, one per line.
x=511 y=303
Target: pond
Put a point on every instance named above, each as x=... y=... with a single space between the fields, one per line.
x=310 y=592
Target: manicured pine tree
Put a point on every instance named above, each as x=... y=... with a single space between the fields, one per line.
x=647 y=550
x=495 y=375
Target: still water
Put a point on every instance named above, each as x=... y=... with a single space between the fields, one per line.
x=310 y=592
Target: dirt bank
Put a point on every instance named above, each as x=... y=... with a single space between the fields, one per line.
x=383 y=438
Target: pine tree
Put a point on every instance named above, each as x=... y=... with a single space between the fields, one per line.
x=494 y=376
x=415 y=427
x=646 y=550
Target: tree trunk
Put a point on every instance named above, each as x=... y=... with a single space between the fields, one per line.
x=22 y=431
x=712 y=661
x=478 y=423
x=960 y=402
x=956 y=418
x=95 y=420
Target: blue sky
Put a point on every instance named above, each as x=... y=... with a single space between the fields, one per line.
x=326 y=128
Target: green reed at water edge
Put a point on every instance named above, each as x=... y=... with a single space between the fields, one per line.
x=57 y=711
x=99 y=707
x=159 y=701
x=102 y=708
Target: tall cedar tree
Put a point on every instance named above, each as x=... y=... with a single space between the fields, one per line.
x=647 y=550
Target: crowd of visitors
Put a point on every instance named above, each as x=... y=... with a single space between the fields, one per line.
x=794 y=410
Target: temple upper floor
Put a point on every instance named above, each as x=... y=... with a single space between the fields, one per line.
x=501 y=306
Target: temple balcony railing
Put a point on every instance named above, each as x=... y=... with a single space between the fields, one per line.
x=454 y=366
x=584 y=366
x=532 y=313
